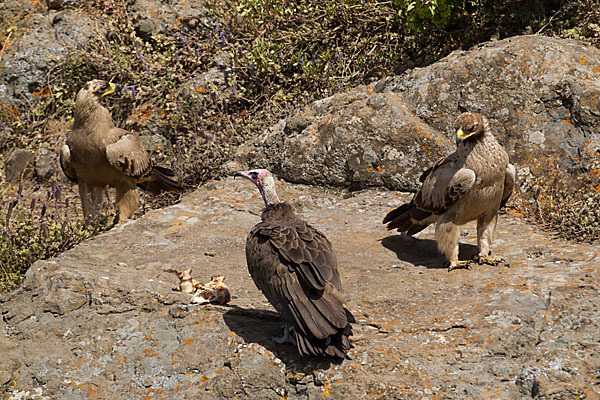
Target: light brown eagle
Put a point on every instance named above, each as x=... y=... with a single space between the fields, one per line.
x=472 y=183
x=97 y=154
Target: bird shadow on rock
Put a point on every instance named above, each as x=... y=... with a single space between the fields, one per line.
x=423 y=252
x=260 y=326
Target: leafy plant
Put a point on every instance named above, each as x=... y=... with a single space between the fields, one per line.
x=419 y=14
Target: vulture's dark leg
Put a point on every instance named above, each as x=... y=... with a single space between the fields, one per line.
x=289 y=335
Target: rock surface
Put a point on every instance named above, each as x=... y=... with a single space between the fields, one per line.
x=26 y=62
x=102 y=320
x=358 y=138
x=540 y=94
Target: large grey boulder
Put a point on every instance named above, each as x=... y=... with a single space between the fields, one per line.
x=358 y=138
x=540 y=94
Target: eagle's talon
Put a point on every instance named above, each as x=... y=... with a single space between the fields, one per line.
x=489 y=260
x=465 y=264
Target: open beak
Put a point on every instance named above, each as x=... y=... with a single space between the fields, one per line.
x=113 y=88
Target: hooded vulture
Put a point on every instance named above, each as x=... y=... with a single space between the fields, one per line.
x=294 y=266
x=98 y=154
x=473 y=183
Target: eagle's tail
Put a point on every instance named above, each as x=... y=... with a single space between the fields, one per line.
x=408 y=218
x=160 y=180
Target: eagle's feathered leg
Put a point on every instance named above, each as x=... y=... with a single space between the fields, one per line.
x=446 y=236
x=486 y=227
x=91 y=199
x=127 y=201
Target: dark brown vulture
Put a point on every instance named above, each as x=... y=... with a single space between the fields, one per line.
x=98 y=154
x=294 y=265
x=472 y=183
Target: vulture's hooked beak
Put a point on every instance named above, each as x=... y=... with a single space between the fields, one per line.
x=250 y=175
x=113 y=88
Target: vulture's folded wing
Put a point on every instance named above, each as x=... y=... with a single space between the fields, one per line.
x=127 y=154
x=315 y=313
x=509 y=183
x=66 y=164
x=306 y=251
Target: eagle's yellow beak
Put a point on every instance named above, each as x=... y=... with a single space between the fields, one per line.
x=460 y=134
x=112 y=89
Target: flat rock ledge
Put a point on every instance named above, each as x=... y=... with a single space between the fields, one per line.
x=102 y=320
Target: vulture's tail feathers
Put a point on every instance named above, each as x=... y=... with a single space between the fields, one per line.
x=336 y=345
x=408 y=218
x=160 y=180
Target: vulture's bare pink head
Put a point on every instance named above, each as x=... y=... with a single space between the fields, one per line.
x=265 y=183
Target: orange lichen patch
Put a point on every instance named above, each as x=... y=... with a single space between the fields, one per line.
x=423 y=148
x=91 y=391
x=566 y=121
x=142 y=114
x=596 y=69
x=379 y=169
x=370 y=169
x=326 y=389
x=188 y=341
x=582 y=60
x=44 y=91
x=370 y=90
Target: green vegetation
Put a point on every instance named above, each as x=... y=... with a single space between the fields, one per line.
x=277 y=56
x=34 y=226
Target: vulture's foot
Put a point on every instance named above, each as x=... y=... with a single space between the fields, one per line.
x=288 y=336
x=489 y=260
x=465 y=264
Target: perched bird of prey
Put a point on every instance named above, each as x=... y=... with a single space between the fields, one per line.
x=294 y=265
x=472 y=183
x=98 y=154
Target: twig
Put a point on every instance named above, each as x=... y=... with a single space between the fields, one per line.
x=549 y=21
x=5 y=45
